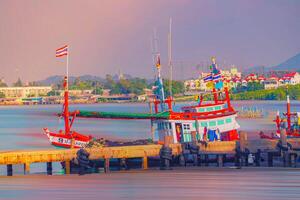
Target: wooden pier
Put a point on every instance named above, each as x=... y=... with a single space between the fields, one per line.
x=240 y=150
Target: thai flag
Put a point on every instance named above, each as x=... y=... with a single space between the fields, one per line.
x=63 y=51
x=208 y=78
x=217 y=76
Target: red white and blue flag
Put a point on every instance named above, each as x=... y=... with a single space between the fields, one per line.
x=208 y=78
x=217 y=76
x=63 y=51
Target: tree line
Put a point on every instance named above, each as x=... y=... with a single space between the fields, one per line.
x=279 y=93
x=116 y=86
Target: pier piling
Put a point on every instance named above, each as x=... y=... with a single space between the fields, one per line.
x=220 y=160
x=257 y=158
x=145 y=162
x=49 y=168
x=285 y=150
x=9 y=170
x=67 y=167
x=106 y=165
x=27 y=168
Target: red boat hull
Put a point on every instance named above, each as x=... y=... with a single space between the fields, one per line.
x=65 y=140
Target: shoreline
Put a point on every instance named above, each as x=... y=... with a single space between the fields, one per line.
x=137 y=103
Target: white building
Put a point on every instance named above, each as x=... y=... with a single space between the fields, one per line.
x=292 y=78
x=21 y=92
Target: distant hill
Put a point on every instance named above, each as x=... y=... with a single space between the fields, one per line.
x=51 y=80
x=256 y=69
x=57 y=79
x=291 y=64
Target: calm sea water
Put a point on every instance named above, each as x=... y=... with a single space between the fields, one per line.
x=200 y=183
x=21 y=128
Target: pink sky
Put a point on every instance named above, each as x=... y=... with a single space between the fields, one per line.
x=110 y=35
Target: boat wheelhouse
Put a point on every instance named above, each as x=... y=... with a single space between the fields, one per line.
x=203 y=122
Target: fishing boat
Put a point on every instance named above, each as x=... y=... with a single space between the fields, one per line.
x=287 y=121
x=204 y=121
x=211 y=121
x=67 y=138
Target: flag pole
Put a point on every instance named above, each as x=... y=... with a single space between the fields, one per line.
x=68 y=67
x=66 y=96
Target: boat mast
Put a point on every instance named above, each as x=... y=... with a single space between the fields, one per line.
x=288 y=112
x=157 y=64
x=214 y=66
x=160 y=83
x=170 y=56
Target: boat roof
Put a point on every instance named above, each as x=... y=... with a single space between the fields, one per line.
x=202 y=106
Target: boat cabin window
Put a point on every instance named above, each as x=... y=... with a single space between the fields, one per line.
x=228 y=120
x=186 y=126
x=218 y=108
x=209 y=109
x=220 y=122
x=159 y=125
x=212 y=123
x=201 y=110
x=203 y=124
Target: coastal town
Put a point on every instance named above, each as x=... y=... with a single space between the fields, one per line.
x=141 y=90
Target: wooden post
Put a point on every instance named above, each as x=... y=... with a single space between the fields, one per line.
x=283 y=138
x=152 y=130
x=9 y=170
x=106 y=165
x=270 y=159
x=27 y=168
x=283 y=141
x=200 y=160
x=206 y=160
x=145 y=162
x=167 y=143
x=123 y=164
x=220 y=160
x=257 y=157
x=49 y=168
x=292 y=160
x=243 y=141
x=67 y=167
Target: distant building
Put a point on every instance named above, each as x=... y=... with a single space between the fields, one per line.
x=231 y=79
x=79 y=92
x=261 y=79
x=271 y=84
x=120 y=97
x=106 y=92
x=23 y=92
x=292 y=78
x=251 y=78
x=274 y=81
